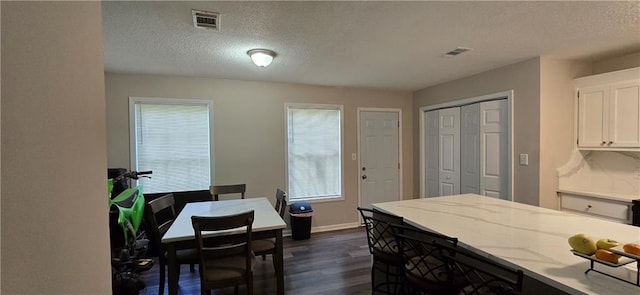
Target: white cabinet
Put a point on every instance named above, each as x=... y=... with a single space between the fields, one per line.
x=595 y=206
x=609 y=111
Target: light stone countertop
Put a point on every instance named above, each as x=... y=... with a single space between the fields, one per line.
x=522 y=236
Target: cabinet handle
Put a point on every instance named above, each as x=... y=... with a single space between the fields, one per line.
x=589 y=207
x=604 y=142
x=610 y=142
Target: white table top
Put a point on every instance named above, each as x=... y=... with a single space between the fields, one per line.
x=266 y=217
x=526 y=237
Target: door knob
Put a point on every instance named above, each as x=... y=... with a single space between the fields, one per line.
x=364 y=176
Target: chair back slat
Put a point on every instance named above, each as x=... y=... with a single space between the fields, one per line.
x=481 y=275
x=219 y=248
x=380 y=235
x=159 y=215
x=217 y=190
x=423 y=262
x=281 y=202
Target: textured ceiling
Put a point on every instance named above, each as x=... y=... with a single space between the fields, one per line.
x=389 y=45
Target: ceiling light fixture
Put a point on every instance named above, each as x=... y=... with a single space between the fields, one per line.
x=261 y=57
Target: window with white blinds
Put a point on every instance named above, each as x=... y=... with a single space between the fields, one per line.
x=314 y=151
x=172 y=138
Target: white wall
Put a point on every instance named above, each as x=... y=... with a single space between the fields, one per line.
x=557 y=106
x=249 y=130
x=616 y=63
x=55 y=238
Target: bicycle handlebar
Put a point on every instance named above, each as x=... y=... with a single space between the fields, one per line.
x=133 y=175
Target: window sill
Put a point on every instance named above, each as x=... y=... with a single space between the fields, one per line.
x=319 y=200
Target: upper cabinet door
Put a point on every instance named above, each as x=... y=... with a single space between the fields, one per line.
x=609 y=111
x=593 y=103
x=624 y=115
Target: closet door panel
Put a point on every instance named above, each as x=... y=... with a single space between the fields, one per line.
x=470 y=149
x=494 y=149
x=432 y=151
x=449 y=132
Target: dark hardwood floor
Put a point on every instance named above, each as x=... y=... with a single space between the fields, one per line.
x=335 y=263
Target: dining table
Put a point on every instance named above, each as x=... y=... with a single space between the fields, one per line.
x=267 y=224
x=530 y=238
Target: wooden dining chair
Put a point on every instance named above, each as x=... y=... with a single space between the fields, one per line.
x=224 y=262
x=384 y=249
x=159 y=215
x=268 y=246
x=425 y=269
x=217 y=190
x=478 y=274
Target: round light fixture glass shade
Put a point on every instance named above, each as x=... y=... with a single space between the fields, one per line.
x=261 y=57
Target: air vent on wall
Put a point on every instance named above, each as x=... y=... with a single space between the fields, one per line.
x=206 y=19
x=456 y=52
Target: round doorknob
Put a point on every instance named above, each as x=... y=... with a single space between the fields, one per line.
x=364 y=176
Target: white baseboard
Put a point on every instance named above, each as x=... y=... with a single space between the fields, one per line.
x=325 y=228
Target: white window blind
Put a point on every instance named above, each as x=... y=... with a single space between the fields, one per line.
x=171 y=137
x=314 y=151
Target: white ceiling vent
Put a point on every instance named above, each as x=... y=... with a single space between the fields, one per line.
x=206 y=19
x=456 y=52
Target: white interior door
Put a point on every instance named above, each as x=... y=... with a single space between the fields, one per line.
x=449 y=168
x=470 y=149
x=494 y=149
x=379 y=157
x=432 y=152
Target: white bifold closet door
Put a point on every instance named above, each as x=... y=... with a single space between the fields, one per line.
x=449 y=153
x=432 y=153
x=467 y=150
x=470 y=149
x=494 y=173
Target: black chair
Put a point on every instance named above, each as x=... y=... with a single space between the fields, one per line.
x=268 y=246
x=480 y=275
x=225 y=261
x=159 y=215
x=425 y=270
x=217 y=190
x=387 y=258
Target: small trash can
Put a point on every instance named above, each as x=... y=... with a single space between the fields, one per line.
x=301 y=213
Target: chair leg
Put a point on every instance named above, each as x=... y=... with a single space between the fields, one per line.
x=264 y=257
x=250 y=284
x=162 y=275
x=373 y=277
x=236 y=290
x=273 y=259
x=192 y=268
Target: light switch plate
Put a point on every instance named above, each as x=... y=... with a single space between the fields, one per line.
x=524 y=159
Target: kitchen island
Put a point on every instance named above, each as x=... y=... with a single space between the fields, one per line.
x=524 y=237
